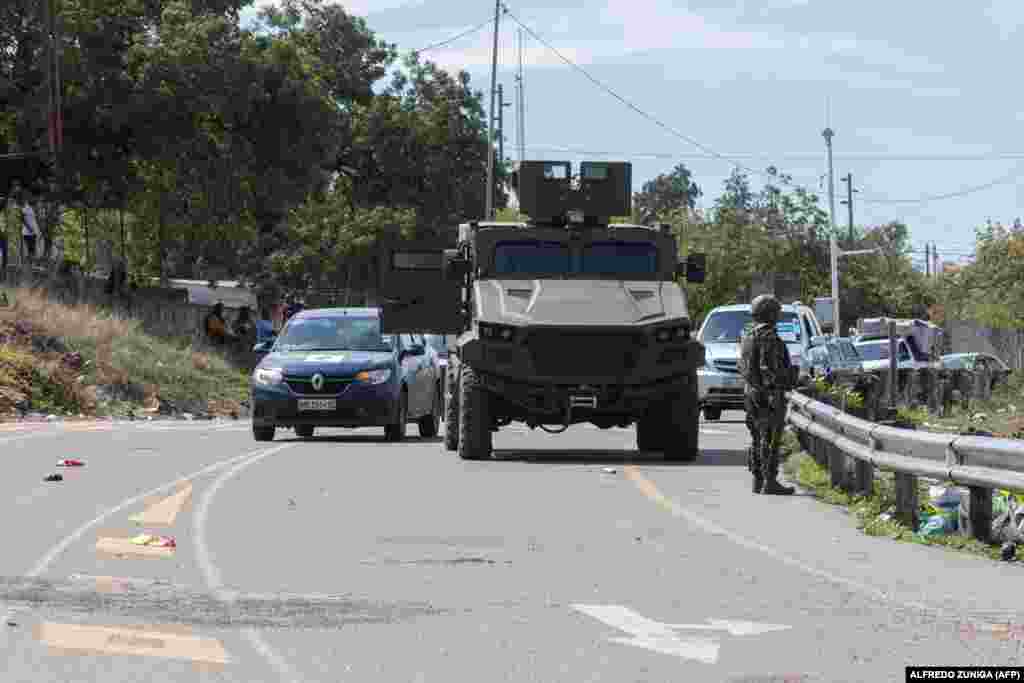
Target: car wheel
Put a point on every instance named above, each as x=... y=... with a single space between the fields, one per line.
x=396 y=432
x=712 y=414
x=304 y=431
x=430 y=424
x=263 y=433
x=475 y=435
x=451 y=413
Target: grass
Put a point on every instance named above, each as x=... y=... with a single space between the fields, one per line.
x=114 y=352
x=873 y=513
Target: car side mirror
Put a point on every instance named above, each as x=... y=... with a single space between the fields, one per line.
x=694 y=268
x=455 y=267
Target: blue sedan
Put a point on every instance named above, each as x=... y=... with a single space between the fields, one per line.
x=332 y=367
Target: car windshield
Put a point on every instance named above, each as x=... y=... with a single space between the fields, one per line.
x=729 y=326
x=557 y=258
x=873 y=351
x=333 y=333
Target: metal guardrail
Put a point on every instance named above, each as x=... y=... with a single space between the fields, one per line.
x=852 y=448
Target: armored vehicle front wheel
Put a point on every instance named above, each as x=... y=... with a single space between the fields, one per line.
x=475 y=436
x=682 y=435
x=650 y=431
x=451 y=411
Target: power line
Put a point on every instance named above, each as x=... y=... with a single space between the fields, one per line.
x=456 y=37
x=786 y=157
x=650 y=117
x=1015 y=173
x=712 y=153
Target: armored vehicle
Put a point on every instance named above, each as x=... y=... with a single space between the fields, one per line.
x=562 y=319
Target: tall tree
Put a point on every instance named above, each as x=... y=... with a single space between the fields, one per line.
x=667 y=192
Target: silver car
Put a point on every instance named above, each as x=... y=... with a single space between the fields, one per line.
x=721 y=387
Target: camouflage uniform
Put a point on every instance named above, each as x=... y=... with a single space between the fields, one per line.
x=766 y=367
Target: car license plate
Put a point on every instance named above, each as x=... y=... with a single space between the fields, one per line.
x=318 y=404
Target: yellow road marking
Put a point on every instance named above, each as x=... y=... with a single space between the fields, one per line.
x=164 y=512
x=146 y=642
x=124 y=546
x=647 y=487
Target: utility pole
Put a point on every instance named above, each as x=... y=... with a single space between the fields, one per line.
x=501 y=123
x=935 y=261
x=927 y=260
x=848 y=179
x=833 y=247
x=489 y=194
x=521 y=111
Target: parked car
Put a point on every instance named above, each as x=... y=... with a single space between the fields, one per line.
x=720 y=384
x=975 y=361
x=332 y=367
x=830 y=356
x=875 y=354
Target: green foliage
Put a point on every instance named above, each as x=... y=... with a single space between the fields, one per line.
x=990 y=290
x=667 y=192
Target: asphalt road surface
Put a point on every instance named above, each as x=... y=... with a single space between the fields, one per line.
x=571 y=558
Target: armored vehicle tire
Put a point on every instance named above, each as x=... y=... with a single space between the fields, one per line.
x=429 y=424
x=396 y=432
x=304 y=431
x=712 y=414
x=451 y=412
x=650 y=431
x=475 y=436
x=263 y=433
x=682 y=433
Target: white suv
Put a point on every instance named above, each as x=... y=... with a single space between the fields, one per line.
x=721 y=386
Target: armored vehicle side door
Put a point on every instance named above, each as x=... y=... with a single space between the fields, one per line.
x=415 y=294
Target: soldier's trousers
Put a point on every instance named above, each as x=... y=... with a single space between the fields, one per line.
x=766 y=415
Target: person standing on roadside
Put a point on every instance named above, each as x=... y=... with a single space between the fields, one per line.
x=769 y=373
x=3 y=237
x=29 y=228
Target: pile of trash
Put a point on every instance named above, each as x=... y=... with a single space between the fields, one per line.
x=941 y=516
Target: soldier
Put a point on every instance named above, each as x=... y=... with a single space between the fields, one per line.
x=765 y=365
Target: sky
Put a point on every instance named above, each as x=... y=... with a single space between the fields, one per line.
x=917 y=98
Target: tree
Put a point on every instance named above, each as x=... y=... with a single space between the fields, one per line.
x=667 y=192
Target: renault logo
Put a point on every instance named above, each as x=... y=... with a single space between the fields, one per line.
x=318 y=382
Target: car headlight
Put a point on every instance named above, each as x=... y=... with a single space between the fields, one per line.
x=268 y=376
x=374 y=376
x=492 y=331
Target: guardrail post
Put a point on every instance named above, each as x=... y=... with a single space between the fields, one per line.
x=906 y=500
x=976 y=514
x=935 y=385
x=837 y=467
x=863 y=477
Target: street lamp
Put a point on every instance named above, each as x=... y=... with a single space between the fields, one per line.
x=835 y=252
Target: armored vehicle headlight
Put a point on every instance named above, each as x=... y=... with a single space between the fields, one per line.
x=502 y=332
x=667 y=334
x=268 y=376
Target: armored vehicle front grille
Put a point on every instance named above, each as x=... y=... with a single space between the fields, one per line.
x=559 y=353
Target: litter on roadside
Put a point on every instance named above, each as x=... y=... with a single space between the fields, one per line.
x=54 y=477
x=70 y=463
x=154 y=541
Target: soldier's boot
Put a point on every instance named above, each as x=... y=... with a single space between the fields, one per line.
x=772 y=487
x=755 y=469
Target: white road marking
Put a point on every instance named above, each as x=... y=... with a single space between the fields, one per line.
x=650 y=634
x=212 y=574
x=707 y=526
x=43 y=564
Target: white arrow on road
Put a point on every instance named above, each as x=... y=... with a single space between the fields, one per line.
x=659 y=637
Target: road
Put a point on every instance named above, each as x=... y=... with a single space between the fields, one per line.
x=571 y=558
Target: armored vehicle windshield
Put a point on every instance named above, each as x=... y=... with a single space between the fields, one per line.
x=597 y=259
